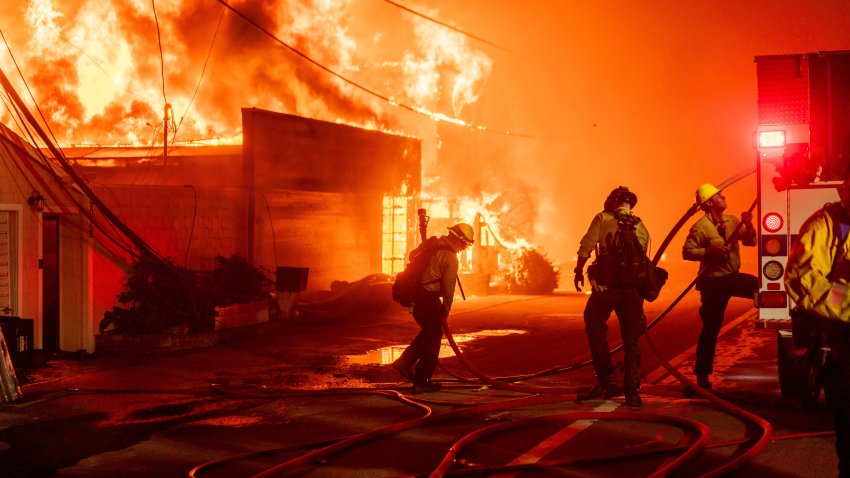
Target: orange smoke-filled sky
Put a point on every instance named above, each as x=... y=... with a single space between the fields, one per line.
x=659 y=96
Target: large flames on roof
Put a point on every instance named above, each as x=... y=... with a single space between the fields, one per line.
x=103 y=71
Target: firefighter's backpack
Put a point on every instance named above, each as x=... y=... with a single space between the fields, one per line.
x=624 y=263
x=409 y=281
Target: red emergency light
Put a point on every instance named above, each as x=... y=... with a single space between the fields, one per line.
x=772 y=221
x=771 y=139
x=773 y=299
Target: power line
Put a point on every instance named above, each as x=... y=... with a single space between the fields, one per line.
x=200 y=78
x=450 y=27
x=161 y=61
x=418 y=110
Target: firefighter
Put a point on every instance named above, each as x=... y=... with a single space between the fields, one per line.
x=818 y=279
x=626 y=302
x=711 y=243
x=434 y=302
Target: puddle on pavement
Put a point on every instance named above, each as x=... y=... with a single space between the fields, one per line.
x=386 y=355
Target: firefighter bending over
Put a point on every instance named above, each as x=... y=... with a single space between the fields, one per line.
x=711 y=243
x=433 y=302
x=610 y=293
x=818 y=279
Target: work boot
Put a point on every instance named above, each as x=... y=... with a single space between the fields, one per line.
x=602 y=389
x=404 y=370
x=428 y=387
x=633 y=400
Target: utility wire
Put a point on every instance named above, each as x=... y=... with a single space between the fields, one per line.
x=422 y=111
x=143 y=246
x=450 y=27
x=161 y=61
x=203 y=70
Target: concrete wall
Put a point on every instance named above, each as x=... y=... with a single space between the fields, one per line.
x=323 y=185
x=290 y=152
x=336 y=235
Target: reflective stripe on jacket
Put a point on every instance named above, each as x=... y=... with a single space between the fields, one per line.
x=818 y=269
x=704 y=234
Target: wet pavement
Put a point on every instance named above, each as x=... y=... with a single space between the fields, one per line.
x=278 y=390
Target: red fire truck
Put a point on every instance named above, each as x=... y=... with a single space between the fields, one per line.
x=803 y=147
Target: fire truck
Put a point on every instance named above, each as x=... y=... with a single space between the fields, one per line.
x=803 y=147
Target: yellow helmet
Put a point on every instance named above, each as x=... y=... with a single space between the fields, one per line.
x=463 y=232
x=705 y=192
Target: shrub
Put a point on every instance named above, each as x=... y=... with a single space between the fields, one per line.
x=159 y=295
x=531 y=273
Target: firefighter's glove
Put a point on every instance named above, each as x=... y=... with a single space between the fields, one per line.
x=579 y=279
x=747 y=219
x=717 y=253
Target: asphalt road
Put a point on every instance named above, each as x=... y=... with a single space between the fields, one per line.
x=279 y=390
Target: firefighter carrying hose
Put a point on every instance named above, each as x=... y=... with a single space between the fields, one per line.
x=433 y=302
x=711 y=243
x=818 y=279
x=611 y=295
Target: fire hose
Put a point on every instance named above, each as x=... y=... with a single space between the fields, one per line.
x=552 y=394
x=444 y=467
x=767 y=429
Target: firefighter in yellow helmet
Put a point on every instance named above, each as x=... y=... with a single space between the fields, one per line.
x=433 y=302
x=625 y=301
x=711 y=243
x=818 y=279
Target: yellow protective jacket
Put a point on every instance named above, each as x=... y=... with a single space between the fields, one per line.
x=704 y=234
x=440 y=274
x=818 y=269
x=601 y=231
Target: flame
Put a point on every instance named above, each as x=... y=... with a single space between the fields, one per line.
x=94 y=67
x=447 y=57
x=470 y=209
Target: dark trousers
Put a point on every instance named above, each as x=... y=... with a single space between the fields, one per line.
x=836 y=384
x=628 y=305
x=715 y=293
x=423 y=352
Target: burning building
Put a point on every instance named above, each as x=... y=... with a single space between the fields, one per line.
x=304 y=193
x=337 y=199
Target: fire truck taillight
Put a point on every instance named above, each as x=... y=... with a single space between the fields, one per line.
x=773 y=299
x=771 y=139
x=772 y=245
x=773 y=270
x=772 y=221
